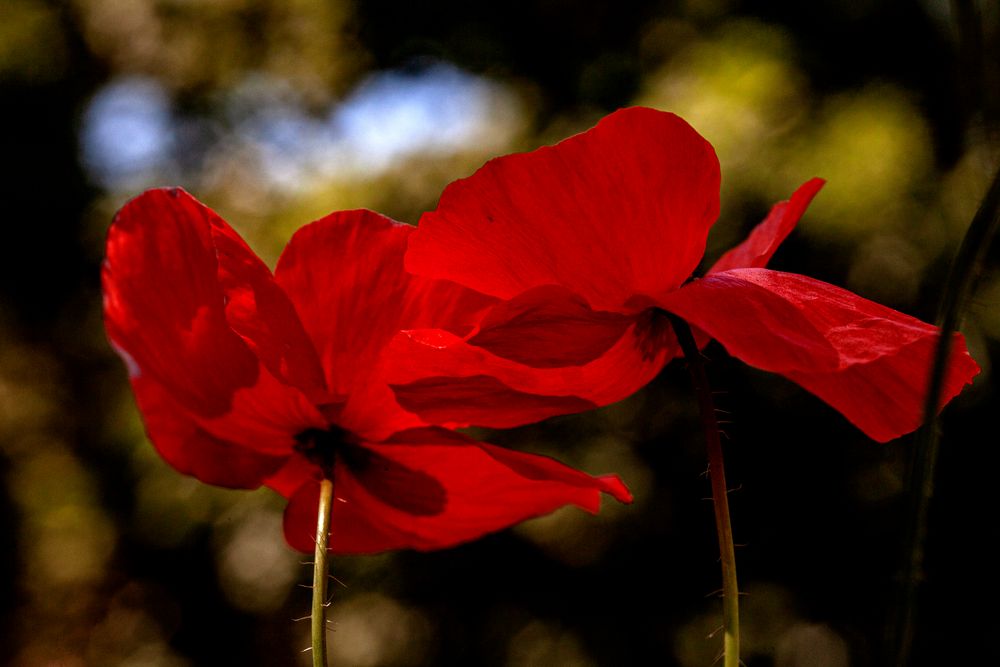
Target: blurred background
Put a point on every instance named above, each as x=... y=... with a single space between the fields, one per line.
x=275 y=113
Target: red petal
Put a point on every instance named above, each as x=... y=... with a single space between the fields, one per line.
x=177 y=282
x=258 y=310
x=542 y=468
x=618 y=211
x=163 y=304
x=481 y=400
x=549 y=327
x=174 y=265
x=266 y=417
x=374 y=412
x=192 y=450
x=885 y=397
x=295 y=472
x=758 y=248
x=869 y=362
x=446 y=380
x=756 y=323
x=344 y=273
x=435 y=489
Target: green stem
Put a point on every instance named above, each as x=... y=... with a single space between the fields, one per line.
x=720 y=493
x=321 y=574
x=965 y=269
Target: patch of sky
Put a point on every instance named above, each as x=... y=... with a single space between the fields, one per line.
x=438 y=109
x=268 y=115
x=129 y=132
x=126 y=135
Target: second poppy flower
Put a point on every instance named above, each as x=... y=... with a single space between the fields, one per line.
x=589 y=243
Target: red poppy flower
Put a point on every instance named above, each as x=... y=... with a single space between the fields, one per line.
x=590 y=242
x=246 y=378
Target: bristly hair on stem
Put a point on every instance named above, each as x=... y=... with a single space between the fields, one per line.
x=720 y=493
x=321 y=574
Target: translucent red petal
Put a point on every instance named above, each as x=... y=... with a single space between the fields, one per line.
x=446 y=490
x=868 y=361
x=344 y=274
x=447 y=380
x=618 y=211
x=758 y=248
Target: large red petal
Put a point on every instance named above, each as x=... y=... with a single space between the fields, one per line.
x=618 y=211
x=259 y=310
x=758 y=248
x=869 y=362
x=189 y=307
x=344 y=274
x=191 y=239
x=885 y=397
x=446 y=380
x=194 y=451
x=164 y=307
x=430 y=489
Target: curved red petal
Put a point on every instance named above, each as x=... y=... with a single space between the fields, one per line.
x=761 y=326
x=190 y=307
x=374 y=412
x=549 y=327
x=431 y=489
x=481 y=400
x=344 y=274
x=194 y=451
x=618 y=211
x=446 y=380
x=164 y=307
x=758 y=248
x=868 y=361
x=543 y=468
x=885 y=397
x=259 y=310
x=175 y=276
x=544 y=328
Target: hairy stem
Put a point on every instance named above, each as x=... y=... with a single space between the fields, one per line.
x=720 y=493
x=321 y=574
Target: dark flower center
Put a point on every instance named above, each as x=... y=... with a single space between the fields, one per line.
x=322 y=447
x=395 y=484
x=654 y=332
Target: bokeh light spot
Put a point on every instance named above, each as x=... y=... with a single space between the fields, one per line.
x=127 y=132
